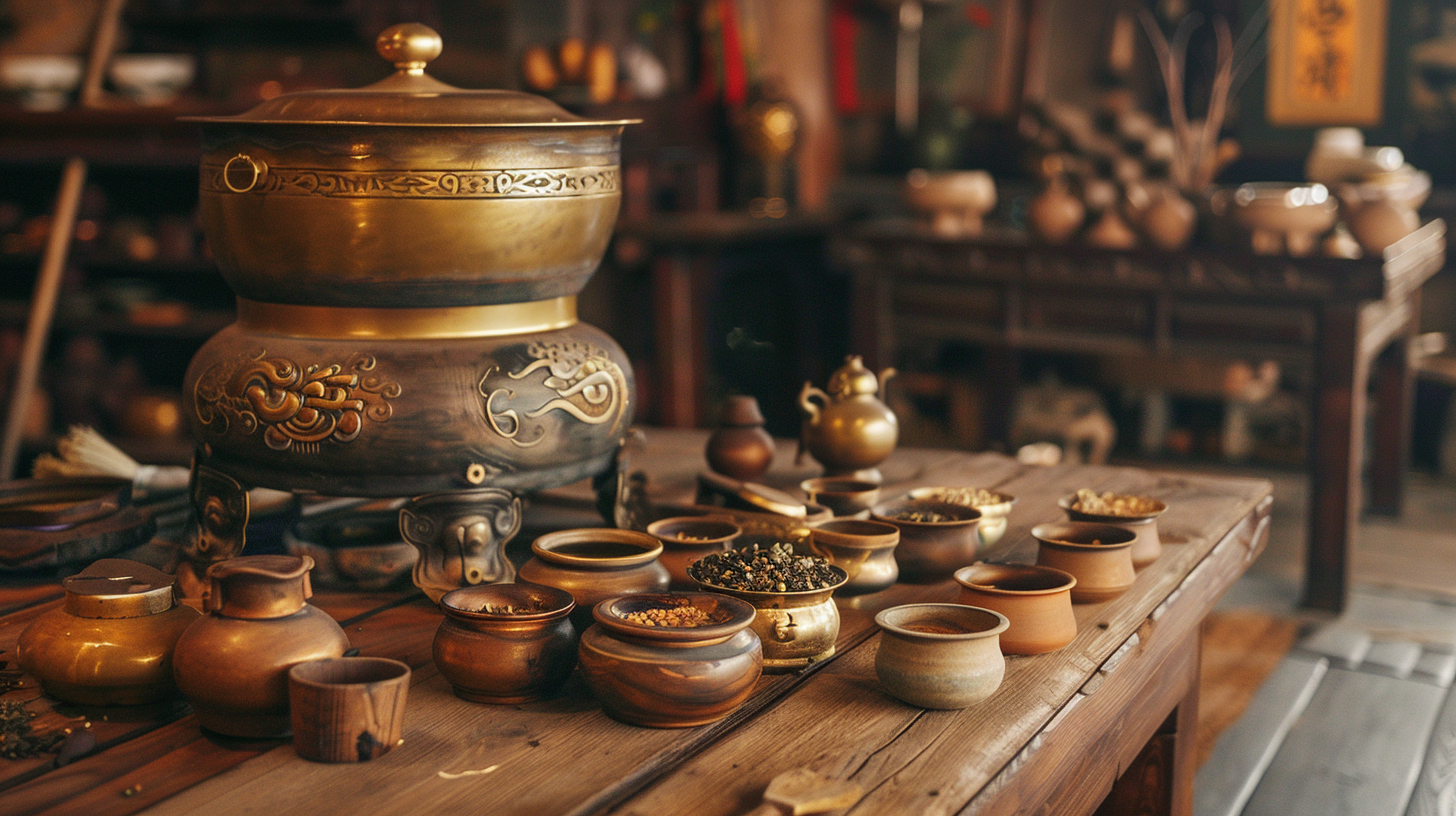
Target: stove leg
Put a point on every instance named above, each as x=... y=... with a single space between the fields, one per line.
x=461 y=537
x=216 y=530
x=622 y=492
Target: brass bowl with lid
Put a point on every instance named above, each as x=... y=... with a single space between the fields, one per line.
x=406 y=257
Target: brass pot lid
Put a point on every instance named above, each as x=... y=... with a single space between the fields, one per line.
x=118 y=588
x=411 y=98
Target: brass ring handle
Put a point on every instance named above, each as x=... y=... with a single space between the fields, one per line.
x=784 y=629
x=258 y=168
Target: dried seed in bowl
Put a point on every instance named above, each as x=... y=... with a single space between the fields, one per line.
x=1113 y=504
x=923 y=516
x=682 y=616
x=765 y=569
x=968 y=496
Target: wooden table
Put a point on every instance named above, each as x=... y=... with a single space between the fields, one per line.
x=1119 y=701
x=1349 y=323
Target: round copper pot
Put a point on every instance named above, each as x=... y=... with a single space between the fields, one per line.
x=595 y=563
x=685 y=539
x=506 y=643
x=347 y=413
x=931 y=551
x=408 y=192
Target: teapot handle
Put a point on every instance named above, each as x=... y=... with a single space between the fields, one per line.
x=806 y=402
x=884 y=378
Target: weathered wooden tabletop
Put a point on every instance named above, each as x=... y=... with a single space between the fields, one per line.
x=1054 y=738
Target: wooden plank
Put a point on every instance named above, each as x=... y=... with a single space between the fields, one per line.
x=1357 y=749
x=1245 y=750
x=1241 y=649
x=1435 y=789
x=1396 y=658
x=1344 y=645
x=1437 y=666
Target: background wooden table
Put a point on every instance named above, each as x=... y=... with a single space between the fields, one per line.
x=1349 y=323
x=1056 y=736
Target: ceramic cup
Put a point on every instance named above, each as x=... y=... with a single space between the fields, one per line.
x=685 y=539
x=994 y=514
x=1099 y=556
x=1146 y=548
x=865 y=550
x=940 y=655
x=842 y=495
x=1037 y=601
x=931 y=551
x=347 y=709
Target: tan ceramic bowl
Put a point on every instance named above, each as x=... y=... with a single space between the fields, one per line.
x=865 y=550
x=1146 y=548
x=1099 y=556
x=1037 y=601
x=940 y=655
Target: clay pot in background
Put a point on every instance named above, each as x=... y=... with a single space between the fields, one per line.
x=1169 y=221
x=1055 y=214
x=740 y=447
x=685 y=539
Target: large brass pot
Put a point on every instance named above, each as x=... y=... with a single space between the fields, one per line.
x=408 y=192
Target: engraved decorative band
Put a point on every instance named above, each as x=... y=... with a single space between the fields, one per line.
x=533 y=183
x=343 y=322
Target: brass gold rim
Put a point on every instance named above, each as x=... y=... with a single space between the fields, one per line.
x=492 y=320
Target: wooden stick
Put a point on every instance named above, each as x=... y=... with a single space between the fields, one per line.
x=58 y=245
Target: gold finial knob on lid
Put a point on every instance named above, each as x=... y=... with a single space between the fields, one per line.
x=409 y=46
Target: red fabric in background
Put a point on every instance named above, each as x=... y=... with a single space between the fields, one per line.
x=842 y=30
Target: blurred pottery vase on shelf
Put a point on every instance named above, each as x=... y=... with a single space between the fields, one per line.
x=954 y=203
x=942 y=656
x=848 y=428
x=1111 y=232
x=111 y=640
x=739 y=447
x=1280 y=217
x=1055 y=214
x=1037 y=603
x=232 y=664
x=1169 y=221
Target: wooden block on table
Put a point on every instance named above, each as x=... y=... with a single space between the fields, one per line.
x=1345 y=646
x=1244 y=751
x=1358 y=748
x=1393 y=657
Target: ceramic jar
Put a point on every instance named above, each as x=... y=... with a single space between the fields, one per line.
x=1037 y=603
x=232 y=664
x=506 y=643
x=953 y=203
x=1146 y=547
x=848 y=428
x=931 y=551
x=1099 y=556
x=865 y=550
x=685 y=539
x=1279 y=217
x=595 y=563
x=670 y=676
x=740 y=447
x=843 y=497
x=1055 y=214
x=940 y=655
x=797 y=628
x=111 y=640
x=1169 y=221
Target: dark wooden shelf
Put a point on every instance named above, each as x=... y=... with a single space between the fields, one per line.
x=120 y=135
x=199 y=325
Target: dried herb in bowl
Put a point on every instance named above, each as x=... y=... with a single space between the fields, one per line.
x=774 y=568
x=1114 y=504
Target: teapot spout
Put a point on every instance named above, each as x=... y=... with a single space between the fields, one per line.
x=885 y=376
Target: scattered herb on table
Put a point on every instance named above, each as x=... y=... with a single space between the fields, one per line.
x=19 y=739
x=774 y=568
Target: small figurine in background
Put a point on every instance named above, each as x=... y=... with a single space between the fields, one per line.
x=849 y=430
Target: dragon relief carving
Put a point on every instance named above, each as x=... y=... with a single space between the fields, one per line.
x=297 y=407
x=577 y=378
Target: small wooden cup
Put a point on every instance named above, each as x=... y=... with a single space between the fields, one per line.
x=347 y=709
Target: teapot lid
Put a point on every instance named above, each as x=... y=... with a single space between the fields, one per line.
x=410 y=97
x=853 y=379
x=119 y=588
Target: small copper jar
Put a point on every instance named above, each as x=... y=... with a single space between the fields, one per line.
x=111 y=641
x=865 y=550
x=671 y=676
x=740 y=447
x=593 y=564
x=233 y=663
x=506 y=643
x=685 y=539
x=797 y=628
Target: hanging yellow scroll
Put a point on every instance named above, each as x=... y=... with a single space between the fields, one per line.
x=1326 y=62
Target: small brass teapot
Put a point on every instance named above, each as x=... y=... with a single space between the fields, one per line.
x=849 y=429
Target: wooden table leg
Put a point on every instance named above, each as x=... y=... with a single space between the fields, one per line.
x=1160 y=781
x=677 y=334
x=1395 y=380
x=1336 y=439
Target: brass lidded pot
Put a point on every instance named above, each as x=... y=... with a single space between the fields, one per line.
x=233 y=663
x=407 y=258
x=111 y=641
